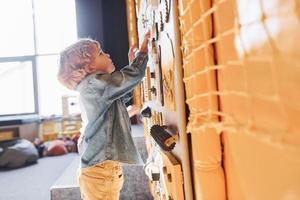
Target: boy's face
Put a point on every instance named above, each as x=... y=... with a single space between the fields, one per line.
x=102 y=62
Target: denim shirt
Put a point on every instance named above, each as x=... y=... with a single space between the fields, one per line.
x=106 y=133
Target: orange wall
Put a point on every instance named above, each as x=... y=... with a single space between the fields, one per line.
x=257 y=50
x=250 y=49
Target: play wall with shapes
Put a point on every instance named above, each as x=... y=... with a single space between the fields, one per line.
x=163 y=100
x=239 y=61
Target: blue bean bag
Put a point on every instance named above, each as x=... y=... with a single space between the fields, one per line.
x=17 y=153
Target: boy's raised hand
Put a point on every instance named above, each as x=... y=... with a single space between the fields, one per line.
x=144 y=45
x=143 y=48
x=131 y=52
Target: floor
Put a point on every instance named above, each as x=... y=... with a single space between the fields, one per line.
x=34 y=182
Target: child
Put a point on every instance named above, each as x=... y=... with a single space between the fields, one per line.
x=106 y=139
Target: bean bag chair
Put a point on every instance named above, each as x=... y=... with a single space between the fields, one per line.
x=55 y=148
x=17 y=153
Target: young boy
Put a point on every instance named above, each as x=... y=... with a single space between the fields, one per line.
x=106 y=139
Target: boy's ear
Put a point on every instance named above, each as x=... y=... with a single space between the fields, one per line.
x=89 y=68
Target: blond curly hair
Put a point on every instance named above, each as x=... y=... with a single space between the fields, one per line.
x=74 y=61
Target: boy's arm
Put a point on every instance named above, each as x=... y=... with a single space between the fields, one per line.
x=121 y=82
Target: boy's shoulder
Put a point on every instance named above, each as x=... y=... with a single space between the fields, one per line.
x=96 y=76
x=102 y=76
x=115 y=78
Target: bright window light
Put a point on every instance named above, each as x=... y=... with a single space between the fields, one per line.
x=34 y=30
x=16 y=86
x=16 y=35
x=51 y=91
x=55 y=23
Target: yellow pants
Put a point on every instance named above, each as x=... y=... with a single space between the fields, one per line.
x=102 y=181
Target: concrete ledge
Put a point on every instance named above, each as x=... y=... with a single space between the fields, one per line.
x=66 y=186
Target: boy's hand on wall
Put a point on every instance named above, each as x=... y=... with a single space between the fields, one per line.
x=133 y=110
x=131 y=53
x=144 y=48
x=144 y=45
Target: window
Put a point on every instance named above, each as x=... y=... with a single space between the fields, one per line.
x=32 y=34
x=17 y=32
x=18 y=86
x=51 y=92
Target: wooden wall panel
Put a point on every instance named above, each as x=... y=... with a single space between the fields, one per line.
x=163 y=93
x=133 y=40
